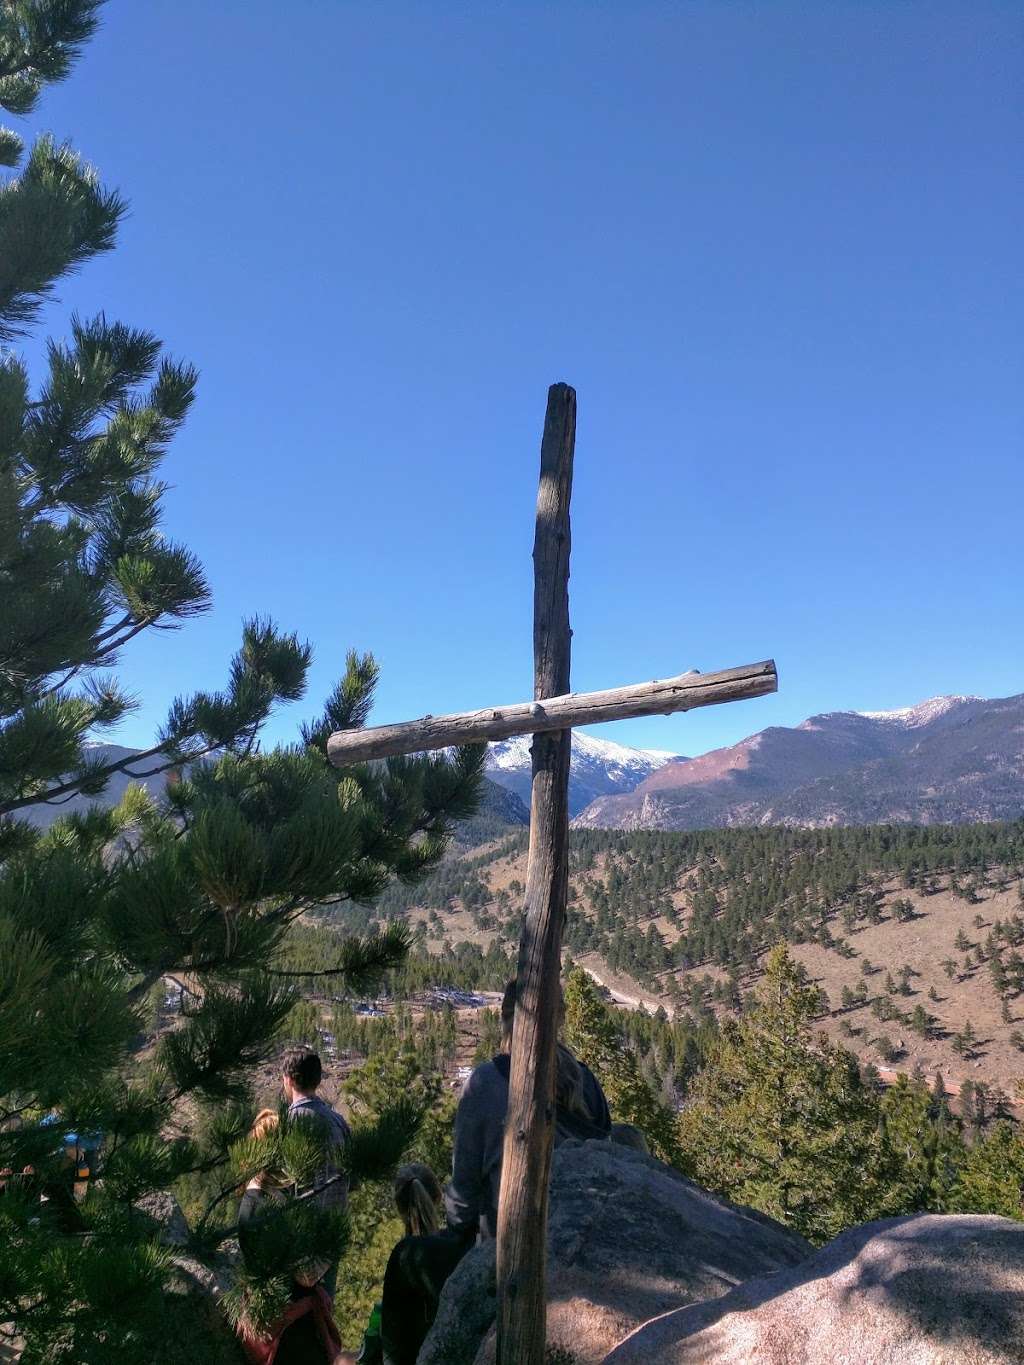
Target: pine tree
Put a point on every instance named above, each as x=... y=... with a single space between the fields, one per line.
x=998 y=974
x=883 y=1008
x=204 y=886
x=921 y=1021
x=991 y=1177
x=965 y=1041
x=84 y=565
x=593 y=1034
x=781 y=1119
x=206 y=891
x=923 y=1148
x=886 y=1048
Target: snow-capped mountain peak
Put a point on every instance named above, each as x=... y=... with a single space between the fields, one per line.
x=513 y=753
x=610 y=752
x=910 y=717
x=598 y=767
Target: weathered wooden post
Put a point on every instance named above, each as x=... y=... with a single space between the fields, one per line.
x=658 y=697
x=523 y=1208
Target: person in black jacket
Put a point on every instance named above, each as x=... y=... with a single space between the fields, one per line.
x=416 y=1272
x=581 y=1111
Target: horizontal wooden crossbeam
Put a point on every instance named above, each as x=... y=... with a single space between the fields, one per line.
x=660 y=697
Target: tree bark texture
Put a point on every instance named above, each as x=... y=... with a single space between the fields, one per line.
x=523 y=1207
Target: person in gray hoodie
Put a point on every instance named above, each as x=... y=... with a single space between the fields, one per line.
x=581 y=1111
x=301 y=1073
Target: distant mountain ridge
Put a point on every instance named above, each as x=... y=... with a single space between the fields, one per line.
x=951 y=759
x=598 y=767
x=44 y=815
x=954 y=760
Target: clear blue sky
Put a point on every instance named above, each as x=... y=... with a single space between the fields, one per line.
x=776 y=248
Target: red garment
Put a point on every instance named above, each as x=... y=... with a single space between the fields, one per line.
x=263 y=1351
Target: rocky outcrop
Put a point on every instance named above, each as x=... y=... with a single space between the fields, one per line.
x=926 y=1290
x=195 y=1289
x=628 y=1239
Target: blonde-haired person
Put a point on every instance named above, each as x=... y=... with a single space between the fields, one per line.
x=416 y=1272
x=418 y=1199
x=306 y=1333
x=581 y=1111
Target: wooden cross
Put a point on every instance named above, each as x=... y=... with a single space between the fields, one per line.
x=522 y=1214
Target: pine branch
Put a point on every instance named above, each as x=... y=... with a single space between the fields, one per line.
x=53 y=218
x=363 y=961
x=125 y=620
x=270 y=667
x=47 y=38
x=74 y=785
x=56 y=687
x=348 y=706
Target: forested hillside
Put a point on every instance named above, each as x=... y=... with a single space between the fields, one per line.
x=907 y=952
x=914 y=936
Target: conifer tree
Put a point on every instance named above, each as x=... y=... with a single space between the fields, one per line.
x=780 y=1117
x=592 y=1033
x=84 y=565
x=991 y=1177
x=374 y=1223
x=886 y=1048
x=203 y=886
x=923 y=1148
x=921 y=1021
